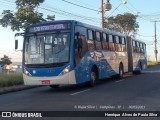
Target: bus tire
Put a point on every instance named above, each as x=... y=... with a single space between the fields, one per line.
x=54 y=86
x=140 y=68
x=93 y=77
x=121 y=71
x=137 y=72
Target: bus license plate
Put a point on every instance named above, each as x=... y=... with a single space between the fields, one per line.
x=45 y=82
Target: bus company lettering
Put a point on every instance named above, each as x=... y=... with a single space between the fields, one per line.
x=47 y=27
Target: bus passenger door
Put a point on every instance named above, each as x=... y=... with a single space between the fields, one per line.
x=80 y=62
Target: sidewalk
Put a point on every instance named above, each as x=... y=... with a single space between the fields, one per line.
x=15 y=88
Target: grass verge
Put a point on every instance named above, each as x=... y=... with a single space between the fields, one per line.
x=10 y=79
x=151 y=63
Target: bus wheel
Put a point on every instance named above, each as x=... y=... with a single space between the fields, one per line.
x=121 y=71
x=137 y=72
x=93 y=77
x=54 y=86
x=140 y=69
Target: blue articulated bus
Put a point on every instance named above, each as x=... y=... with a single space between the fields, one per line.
x=71 y=52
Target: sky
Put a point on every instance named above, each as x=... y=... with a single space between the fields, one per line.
x=148 y=11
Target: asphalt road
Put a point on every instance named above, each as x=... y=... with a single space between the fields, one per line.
x=133 y=93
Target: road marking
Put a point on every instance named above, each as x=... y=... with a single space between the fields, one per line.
x=119 y=81
x=80 y=92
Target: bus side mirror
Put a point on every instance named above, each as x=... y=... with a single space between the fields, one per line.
x=16 y=44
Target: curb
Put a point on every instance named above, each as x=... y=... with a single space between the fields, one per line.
x=15 y=88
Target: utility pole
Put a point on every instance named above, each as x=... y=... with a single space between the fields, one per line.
x=155 y=40
x=107 y=7
x=104 y=7
x=102 y=14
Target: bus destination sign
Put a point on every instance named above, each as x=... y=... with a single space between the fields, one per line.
x=48 y=28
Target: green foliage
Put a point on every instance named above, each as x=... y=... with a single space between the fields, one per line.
x=5 y=60
x=125 y=24
x=10 y=79
x=24 y=16
x=50 y=18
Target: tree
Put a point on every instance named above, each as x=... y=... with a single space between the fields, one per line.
x=25 y=15
x=125 y=24
x=50 y=18
x=5 y=60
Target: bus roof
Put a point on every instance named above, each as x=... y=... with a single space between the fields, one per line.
x=98 y=28
x=77 y=23
x=105 y=30
x=138 y=40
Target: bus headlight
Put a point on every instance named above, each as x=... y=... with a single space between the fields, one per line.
x=26 y=72
x=66 y=70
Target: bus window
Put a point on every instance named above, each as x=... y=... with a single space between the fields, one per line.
x=90 y=37
x=141 y=48
x=111 y=43
x=144 y=47
x=117 y=44
x=123 y=41
x=138 y=47
x=105 y=42
x=134 y=46
x=48 y=48
x=98 y=41
x=82 y=45
x=90 y=34
x=98 y=36
x=120 y=44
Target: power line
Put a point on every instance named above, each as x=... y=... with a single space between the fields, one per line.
x=85 y=3
x=80 y=5
x=129 y=9
x=132 y=6
x=148 y=17
x=144 y=35
x=117 y=9
x=114 y=10
x=64 y=11
x=67 y=13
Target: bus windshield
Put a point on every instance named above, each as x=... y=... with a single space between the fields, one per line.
x=47 y=49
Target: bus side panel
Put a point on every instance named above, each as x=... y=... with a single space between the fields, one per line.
x=83 y=69
x=104 y=68
x=121 y=57
x=139 y=61
x=109 y=62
